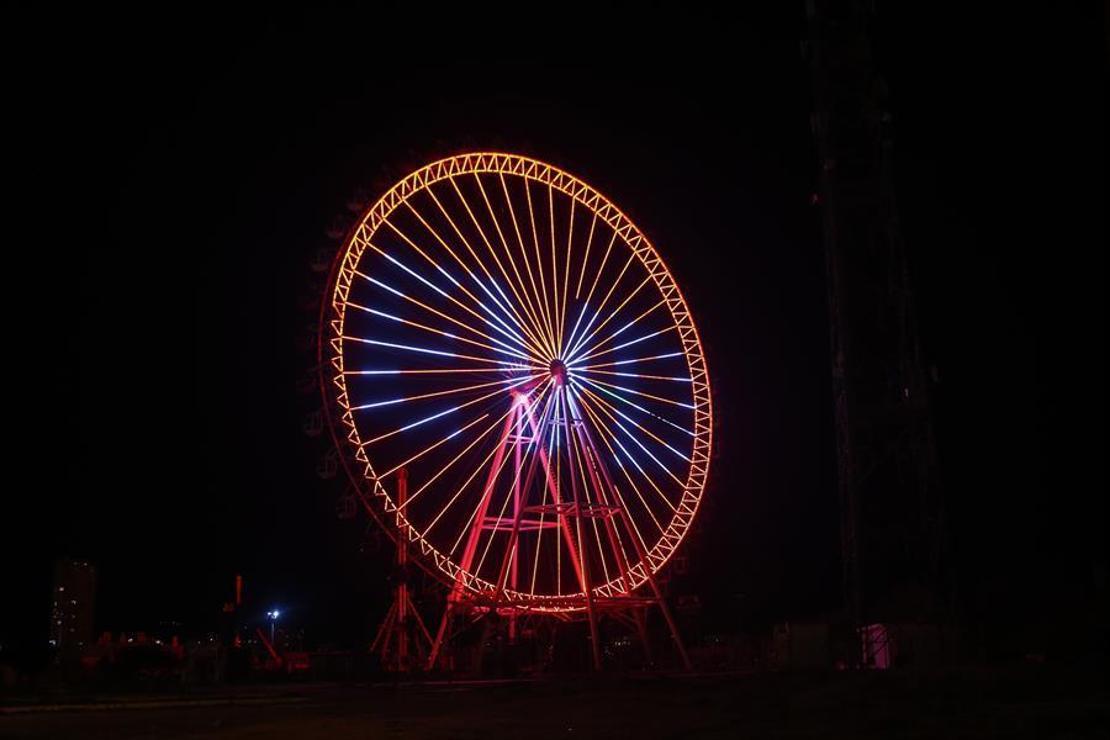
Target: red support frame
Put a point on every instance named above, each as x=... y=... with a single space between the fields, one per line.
x=601 y=505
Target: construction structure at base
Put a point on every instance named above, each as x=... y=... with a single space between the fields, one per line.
x=521 y=430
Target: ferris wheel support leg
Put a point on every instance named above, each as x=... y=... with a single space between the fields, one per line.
x=454 y=597
x=671 y=624
x=513 y=540
x=591 y=611
x=510 y=559
x=564 y=523
x=384 y=629
x=584 y=568
x=437 y=644
x=641 y=555
x=675 y=636
x=403 y=636
x=483 y=506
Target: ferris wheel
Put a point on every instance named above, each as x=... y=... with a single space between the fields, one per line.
x=503 y=339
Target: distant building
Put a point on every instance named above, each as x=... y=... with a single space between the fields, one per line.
x=73 y=604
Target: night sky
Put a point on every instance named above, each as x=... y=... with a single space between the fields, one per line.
x=174 y=178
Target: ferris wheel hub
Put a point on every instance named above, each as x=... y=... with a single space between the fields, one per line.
x=558 y=371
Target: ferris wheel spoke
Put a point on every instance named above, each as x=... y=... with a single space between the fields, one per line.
x=604 y=408
x=593 y=287
x=635 y=361
x=639 y=426
x=441 y=370
x=453 y=299
x=582 y=342
x=481 y=466
x=552 y=452
x=451 y=501
x=500 y=518
x=524 y=304
x=554 y=444
x=535 y=327
x=455 y=459
x=635 y=405
x=631 y=520
x=661 y=399
x=504 y=461
x=557 y=541
x=663 y=466
x=537 y=308
x=586 y=258
x=506 y=310
x=541 y=293
x=466 y=526
x=599 y=353
x=445 y=412
x=540 y=260
x=644 y=376
x=503 y=364
x=644 y=505
x=605 y=435
x=554 y=267
x=525 y=325
x=436 y=394
x=579 y=453
x=498 y=322
x=433 y=446
x=426 y=307
x=602 y=479
x=531 y=451
x=433 y=330
x=601 y=306
x=566 y=278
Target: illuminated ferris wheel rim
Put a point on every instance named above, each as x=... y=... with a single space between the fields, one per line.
x=529 y=169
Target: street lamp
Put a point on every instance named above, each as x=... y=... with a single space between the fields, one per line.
x=273 y=615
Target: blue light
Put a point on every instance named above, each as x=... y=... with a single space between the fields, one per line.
x=648 y=452
x=575 y=366
x=507 y=349
x=507 y=332
x=618 y=347
x=404 y=346
x=622 y=399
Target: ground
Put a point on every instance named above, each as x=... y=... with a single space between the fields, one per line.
x=1030 y=702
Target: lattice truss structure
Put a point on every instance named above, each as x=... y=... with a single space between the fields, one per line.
x=505 y=334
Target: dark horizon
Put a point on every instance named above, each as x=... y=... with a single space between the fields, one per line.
x=177 y=186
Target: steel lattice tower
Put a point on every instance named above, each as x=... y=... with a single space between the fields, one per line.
x=888 y=478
